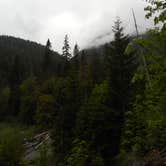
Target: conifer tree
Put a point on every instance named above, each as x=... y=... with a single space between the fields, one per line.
x=66 y=49
x=14 y=82
x=15 y=74
x=47 y=57
x=76 y=50
x=120 y=68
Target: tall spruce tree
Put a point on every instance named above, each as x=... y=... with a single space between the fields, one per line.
x=120 y=72
x=66 y=48
x=119 y=64
x=47 y=58
x=76 y=50
x=14 y=82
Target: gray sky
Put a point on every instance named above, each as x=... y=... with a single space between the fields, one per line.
x=85 y=21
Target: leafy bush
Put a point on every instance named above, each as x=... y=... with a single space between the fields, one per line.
x=11 y=147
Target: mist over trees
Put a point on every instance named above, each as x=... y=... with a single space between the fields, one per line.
x=102 y=106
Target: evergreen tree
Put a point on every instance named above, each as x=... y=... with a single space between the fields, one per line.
x=4 y=101
x=45 y=112
x=67 y=105
x=120 y=68
x=29 y=91
x=47 y=58
x=66 y=49
x=15 y=73
x=120 y=72
x=84 y=76
x=94 y=122
x=76 y=50
x=14 y=82
x=74 y=63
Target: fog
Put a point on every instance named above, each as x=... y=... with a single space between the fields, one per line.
x=87 y=22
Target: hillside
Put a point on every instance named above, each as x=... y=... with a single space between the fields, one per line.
x=30 y=56
x=103 y=106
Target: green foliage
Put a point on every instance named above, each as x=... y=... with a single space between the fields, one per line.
x=45 y=111
x=121 y=67
x=4 y=100
x=30 y=60
x=84 y=77
x=157 y=8
x=11 y=147
x=65 y=92
x=94 y=120
x=44 y=158
x=103 y=101
x=29 y=90
x=145 y=123
x=78 y=155
x=46 y=65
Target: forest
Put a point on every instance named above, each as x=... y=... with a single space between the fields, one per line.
x=101 y=106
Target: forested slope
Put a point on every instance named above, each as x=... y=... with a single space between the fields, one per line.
x=102 y=106
x=29 y=54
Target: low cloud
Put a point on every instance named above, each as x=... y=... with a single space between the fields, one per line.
x=87 y=22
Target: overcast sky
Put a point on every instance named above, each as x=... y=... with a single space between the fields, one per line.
x=85 y=21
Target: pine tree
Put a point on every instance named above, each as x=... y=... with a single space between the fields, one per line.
x=14 y=82
x=66 y=49
x=15 y=73
x=76 y=50
x=120 y=67
x=84 y=75
x=94 y=121
x=47 y=58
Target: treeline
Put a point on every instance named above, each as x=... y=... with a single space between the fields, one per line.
x=28 y=55
x=106 y=106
